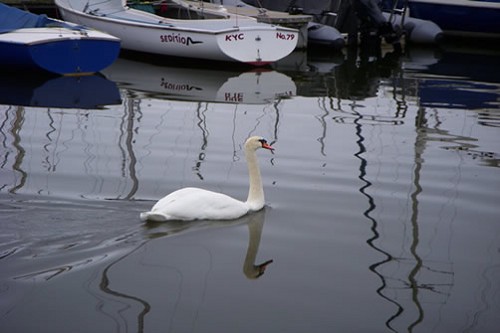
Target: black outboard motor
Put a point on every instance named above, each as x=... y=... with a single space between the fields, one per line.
x=371 y=19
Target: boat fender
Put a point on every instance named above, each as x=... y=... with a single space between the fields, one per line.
x=423 y=32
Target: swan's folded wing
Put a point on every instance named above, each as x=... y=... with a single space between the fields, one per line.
x=199 y=204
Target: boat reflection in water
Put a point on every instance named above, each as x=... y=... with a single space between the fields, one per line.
x=444 y=84
x=224 y=86
x=82 y=92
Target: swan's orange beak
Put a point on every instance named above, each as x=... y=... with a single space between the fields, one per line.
x=267 y=146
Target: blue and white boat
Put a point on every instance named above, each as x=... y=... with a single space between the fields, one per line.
x=460 y=17
x=36 y=42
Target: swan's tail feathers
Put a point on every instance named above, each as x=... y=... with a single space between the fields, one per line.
x=153 y=216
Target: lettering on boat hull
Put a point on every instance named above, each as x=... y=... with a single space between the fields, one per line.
x=178 y=39
x=234 y=37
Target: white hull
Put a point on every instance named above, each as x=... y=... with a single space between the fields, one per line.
x=243 y=40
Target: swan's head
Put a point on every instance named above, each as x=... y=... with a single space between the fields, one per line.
x=256 y=142
x=256 y=271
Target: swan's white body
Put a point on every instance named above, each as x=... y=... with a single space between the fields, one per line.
x=198 y=204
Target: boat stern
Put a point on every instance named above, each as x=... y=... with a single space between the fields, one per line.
x=258 y=46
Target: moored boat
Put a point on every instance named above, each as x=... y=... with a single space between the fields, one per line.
x=36 y=42
x=236 y=39
x=460 y=17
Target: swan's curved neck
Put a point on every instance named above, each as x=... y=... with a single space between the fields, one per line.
x=255 y=225
x=254 y=233
x=255 y=192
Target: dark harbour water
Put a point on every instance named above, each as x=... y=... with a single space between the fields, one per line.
x=382 y=196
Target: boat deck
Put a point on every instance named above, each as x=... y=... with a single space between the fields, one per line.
x=213 y=21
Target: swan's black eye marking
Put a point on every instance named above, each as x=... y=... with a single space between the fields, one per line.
x=263 y=141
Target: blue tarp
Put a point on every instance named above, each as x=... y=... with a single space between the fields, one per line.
x=12 y=18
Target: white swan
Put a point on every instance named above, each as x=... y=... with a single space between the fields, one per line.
x=199 y=204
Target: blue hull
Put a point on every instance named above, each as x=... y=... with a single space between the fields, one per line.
x=455 y=18
x=76 y=56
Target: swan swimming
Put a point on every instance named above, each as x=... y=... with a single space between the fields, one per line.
x=198 y=204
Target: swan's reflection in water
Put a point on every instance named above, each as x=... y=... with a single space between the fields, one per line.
x=254 y=222
x=173 y=277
